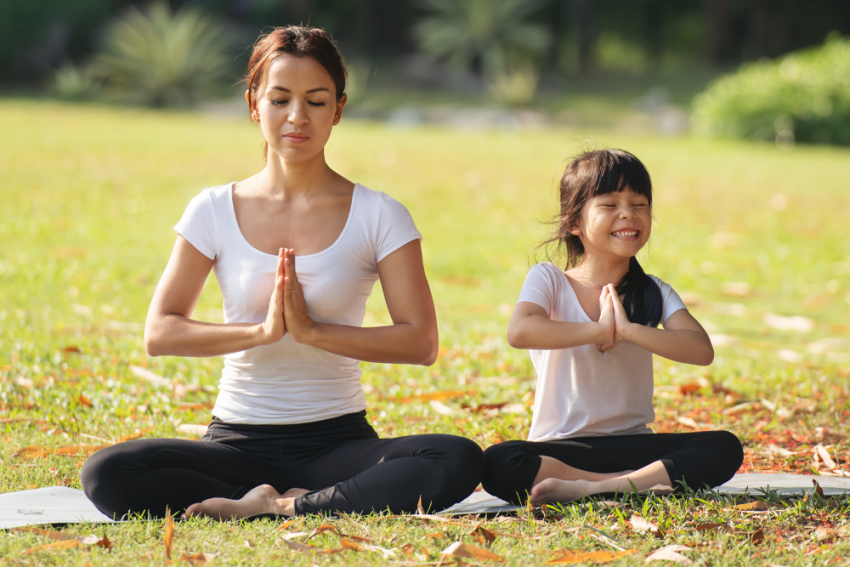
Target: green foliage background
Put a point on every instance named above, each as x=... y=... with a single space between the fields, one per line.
x=804 y=96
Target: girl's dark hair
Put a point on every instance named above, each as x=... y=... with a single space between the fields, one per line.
x=299 y=41
x=600 y=172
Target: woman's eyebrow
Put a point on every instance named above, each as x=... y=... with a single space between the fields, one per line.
x=317 y=89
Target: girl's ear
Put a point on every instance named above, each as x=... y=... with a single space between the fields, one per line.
x=575 y=230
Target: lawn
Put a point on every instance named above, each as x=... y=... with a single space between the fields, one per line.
x=752 y=236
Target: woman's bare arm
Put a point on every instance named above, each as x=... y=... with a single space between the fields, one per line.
x=411 y=339
x=169 y=329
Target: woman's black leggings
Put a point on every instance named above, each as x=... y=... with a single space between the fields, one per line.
x=341 y=461
x=696 y=460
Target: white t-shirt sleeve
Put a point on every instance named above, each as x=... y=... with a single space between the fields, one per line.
x=395 y=227
x=538 y=287
x=670 y=300
x=198 y=225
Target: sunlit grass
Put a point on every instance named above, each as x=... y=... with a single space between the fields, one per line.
x=743 y=230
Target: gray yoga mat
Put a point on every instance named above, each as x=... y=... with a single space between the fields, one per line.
x=62 y=505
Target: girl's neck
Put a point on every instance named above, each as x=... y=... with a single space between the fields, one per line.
x=597 y=272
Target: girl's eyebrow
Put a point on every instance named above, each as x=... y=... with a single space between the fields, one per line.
x=317 y=89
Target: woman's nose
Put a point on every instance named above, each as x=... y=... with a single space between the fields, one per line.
x=297 y=113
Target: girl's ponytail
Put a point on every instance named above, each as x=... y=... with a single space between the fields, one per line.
x=642 y=300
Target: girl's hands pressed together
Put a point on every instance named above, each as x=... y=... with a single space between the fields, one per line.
x=607 y=320
x=274 y=327
x=621 y=319
x=298 y=321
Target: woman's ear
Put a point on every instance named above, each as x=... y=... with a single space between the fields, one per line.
x=340 y=104
x=255 y=116
x=575 y=230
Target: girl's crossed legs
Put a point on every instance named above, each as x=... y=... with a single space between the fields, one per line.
x=569 y=469
x=241 y=470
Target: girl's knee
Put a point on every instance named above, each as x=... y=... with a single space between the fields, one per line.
x=504 y=464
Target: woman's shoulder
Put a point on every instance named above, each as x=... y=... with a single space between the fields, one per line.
x=376 y=199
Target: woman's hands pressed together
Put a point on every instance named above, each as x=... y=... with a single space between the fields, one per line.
x=274 y=327
x=298 y=321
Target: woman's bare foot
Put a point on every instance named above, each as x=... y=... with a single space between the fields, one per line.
x=263 y=499
x=554 y=490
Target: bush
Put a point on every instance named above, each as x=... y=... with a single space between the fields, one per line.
x=157 y=58
x=74 y=83
x=802 y=97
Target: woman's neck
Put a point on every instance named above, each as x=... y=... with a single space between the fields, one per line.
x=597 y=271
x=285 y=179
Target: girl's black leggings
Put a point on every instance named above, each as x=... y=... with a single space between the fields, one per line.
x=696 y=460
x=341 y=461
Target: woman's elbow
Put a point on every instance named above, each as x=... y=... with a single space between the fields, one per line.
x=430 y=350
x=706 y=357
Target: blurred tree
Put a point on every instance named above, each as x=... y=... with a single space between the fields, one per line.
x=484 y=36
x=161 y=58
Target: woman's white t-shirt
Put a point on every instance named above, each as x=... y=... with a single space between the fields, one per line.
x=287 y=382
x=581 y=392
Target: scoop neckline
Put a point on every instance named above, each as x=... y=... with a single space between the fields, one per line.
x=306 y=256
x=575 y=295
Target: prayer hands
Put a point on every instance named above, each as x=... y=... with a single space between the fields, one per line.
x=274 y=327
x=613 y=317
x=298 y=321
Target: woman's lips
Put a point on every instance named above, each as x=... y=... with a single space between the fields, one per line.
x=296 y=138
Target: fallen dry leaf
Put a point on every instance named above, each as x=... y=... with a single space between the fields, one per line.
x=569 y=556
x=756 y=506
x=56 y=545
x=154 y=379
x=641 y=525
x=460 y=549
x=441 y=408
x=823 y=455
x=193 y=559
x=168 y=537
x=756 y=537
x=442 y=395
x=670 y=553
x=822 y=533
x=62 y=536
x=482 y=535
x=286 y=525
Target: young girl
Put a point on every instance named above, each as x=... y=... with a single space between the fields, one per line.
x=592 y=332
x=296 y=249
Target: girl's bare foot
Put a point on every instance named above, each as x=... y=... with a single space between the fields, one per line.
x=554 y=490
x=263 y=499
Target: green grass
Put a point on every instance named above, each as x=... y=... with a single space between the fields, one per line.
x=89 y=198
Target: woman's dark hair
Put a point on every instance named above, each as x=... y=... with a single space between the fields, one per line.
x=299 y=41
x=600 y=172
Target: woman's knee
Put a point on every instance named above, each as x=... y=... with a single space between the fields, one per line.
x=729 y=451
x=505 y=464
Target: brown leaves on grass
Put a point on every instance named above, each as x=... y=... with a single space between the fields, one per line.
x=439 y=396
x=346 y=542
x=168 y=536
x=63 y=540
x=570 y=556
x=670 y=553
x=460 y=549
x=642 y=525
x=755 y=506
x=35 y=452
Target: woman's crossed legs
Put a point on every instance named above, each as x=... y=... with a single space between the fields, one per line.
x=226 y=479
x=569 y=469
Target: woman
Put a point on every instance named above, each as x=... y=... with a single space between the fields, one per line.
x=296 y=249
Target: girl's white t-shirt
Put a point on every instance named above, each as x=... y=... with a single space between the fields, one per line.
x=580 y=391
x=287 y=382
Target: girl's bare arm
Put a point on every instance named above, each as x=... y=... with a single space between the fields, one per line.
x=411 y=339
x=682 y=340
x=169 y=329
x=531 y=328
